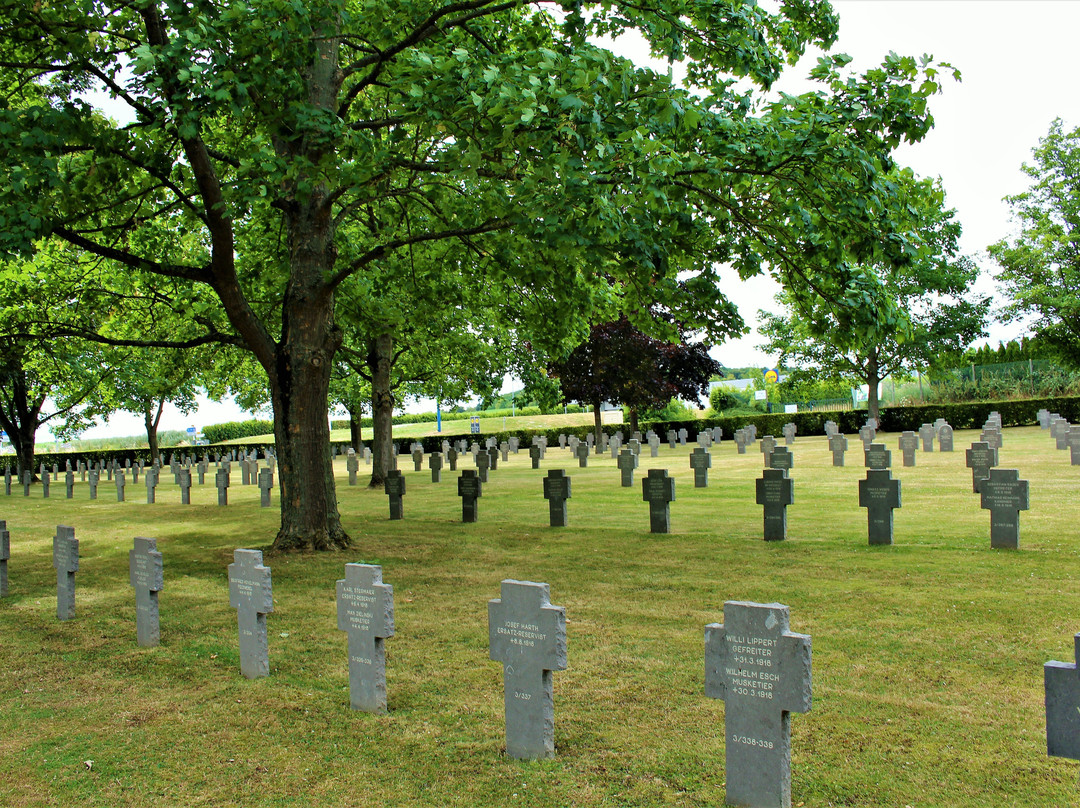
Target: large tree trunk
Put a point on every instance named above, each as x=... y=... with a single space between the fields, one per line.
x=151 y=423
x=304 y=356
x=872 y=381
x=380 y=360
x=355 y=430
x=19 y=418
x=598 y=423
x=23 y=439
x=633 y=420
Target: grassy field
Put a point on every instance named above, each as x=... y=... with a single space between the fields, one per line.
x=927 y=655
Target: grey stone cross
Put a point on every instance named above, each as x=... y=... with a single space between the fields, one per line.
x=556 y=492
x=879 y=493
x=838 y=445
x=266 y=485
x=926 y=435
x=121 y=483
x=66 y=562
x=528 y=636
x=980 y=459
x=251 y=594
x=775 y=491
x=627 y=462
x=701 y=462
x=470 y=489
x=394 y=486
x=151 y=486
x=1004 y=494
x=658 y=489
x=221 y=479
x=183 y=478
x=146 y=573
x=761 y=671
x=5 y=555
x=365 y=612
x=768 y=443
x=876 y=456
x=908 y=443
x=582 y=453
x=1062 y=685
x=781 y=458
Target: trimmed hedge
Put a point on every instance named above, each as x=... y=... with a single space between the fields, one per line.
x=237 y=430
x=423 y=417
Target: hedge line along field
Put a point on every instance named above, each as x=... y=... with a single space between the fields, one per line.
x=927 y=654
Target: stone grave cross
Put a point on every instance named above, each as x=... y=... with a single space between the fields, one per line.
x=66 y=562
x=789 y=433
x=470 y=489
x=394 y=486
x=879 y=493
x=250 y=593
x=146 y=573
x=352 y=465
x=926 y=435
x=838 y=445
x=221 y=479
x=365 y=612
x=528 y=636
x=701 y=462
x=775 y=491
x=1062 y=684
x=435 y=464
x=266 y=485
x=556 y=492
x=1004 y=494
x=582 y=454
x=5 y=555
x=909 y=443
x=876 y=456
x=781 y=458
x=981 y=457
x=768 y=444
x=627 y=462
x=658 y=489
x=761 y=671
x=183 y=478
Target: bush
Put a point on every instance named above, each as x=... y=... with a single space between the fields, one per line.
x=237 y=430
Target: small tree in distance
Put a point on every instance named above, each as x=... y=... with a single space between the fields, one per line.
x=619 y=363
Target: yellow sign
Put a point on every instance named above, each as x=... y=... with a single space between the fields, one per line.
x=772 y=375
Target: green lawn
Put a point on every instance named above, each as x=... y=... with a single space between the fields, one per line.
x=927 y=669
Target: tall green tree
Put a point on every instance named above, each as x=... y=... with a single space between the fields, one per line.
x=304 y=144
x=1039 y=268
x=146 y=379
x=822 y=336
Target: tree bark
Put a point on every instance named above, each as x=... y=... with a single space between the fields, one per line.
x=872 y=381
x=633 y=420
x=20 y=418
x=355 y=430
x=380 y=360
x=598 y=422
x=152 y=431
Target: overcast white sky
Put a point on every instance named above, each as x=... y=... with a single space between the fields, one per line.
x=1020 y=69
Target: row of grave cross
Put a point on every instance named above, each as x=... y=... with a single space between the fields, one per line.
x=753 y=662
